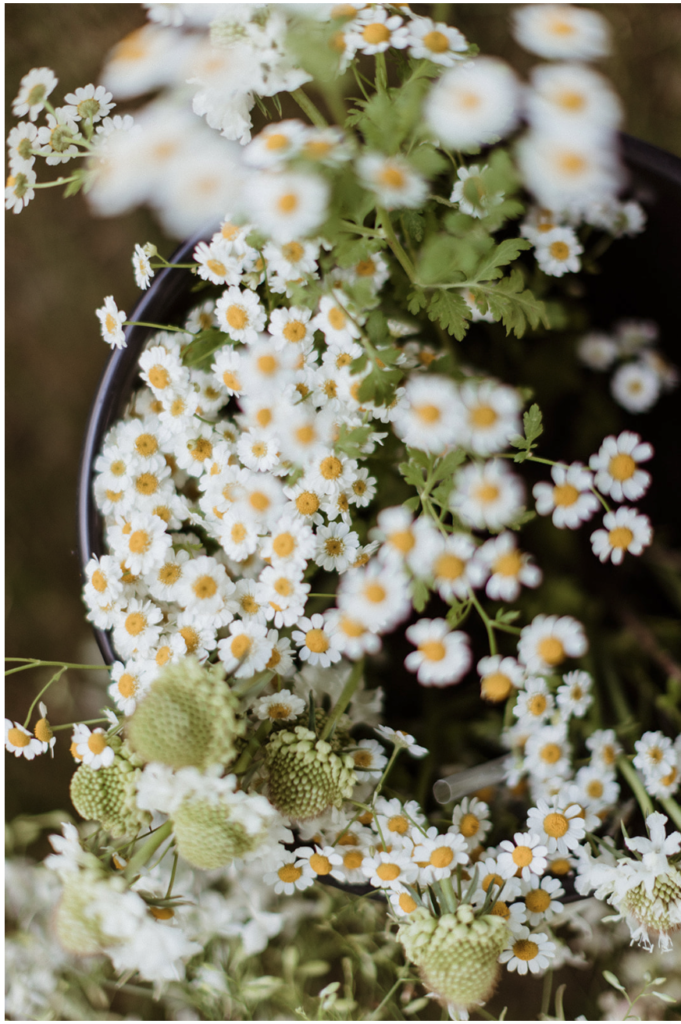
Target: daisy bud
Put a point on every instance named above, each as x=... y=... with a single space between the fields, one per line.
x=188 y=717
x=108 y=795
x=305 y=775
x=456 y=954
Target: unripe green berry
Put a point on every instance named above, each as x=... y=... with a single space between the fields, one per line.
x=77 y=930
x=188 y=718
x=305 y=776
x=108 y=795
x=206 y=837
x=457 y=954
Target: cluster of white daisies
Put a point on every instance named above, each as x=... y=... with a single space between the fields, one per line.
x=642 y=372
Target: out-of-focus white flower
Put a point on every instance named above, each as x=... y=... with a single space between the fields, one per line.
x=625 y=530
x=473 y=104
x=562 y=32
x=635 y=386
x=286 y=205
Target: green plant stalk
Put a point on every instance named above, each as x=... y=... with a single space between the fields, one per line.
x=631 y=775
x=55 y=679
x=70 y=725
x=395 y=245
x=672 y=808
x=489 y=626
x=254 y=744
x=148 y=849
x=344 y=699
x=309 y=108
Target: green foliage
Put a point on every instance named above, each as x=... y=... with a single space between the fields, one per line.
x=534 y=427
x=450 y=310
x=351 y=441
x=513 y=304
x=198 y=355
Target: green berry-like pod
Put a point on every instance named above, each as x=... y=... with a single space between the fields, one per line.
x=207 y=837
x=108 y=795
x=659 y=909
x=457 y=954
x=78 y=930
x=305 y=776
x=341 y=735
x=188 y=718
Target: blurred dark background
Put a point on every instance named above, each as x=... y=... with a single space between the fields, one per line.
x=60 y=264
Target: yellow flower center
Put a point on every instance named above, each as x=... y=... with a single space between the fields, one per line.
x=571 y=164
x=201 y=450
x=501 y=909
x=551 y=650
x=492 y=879
x=560 y=866
x=283 y=544
x=288 y=202
x=565 y=495
x=268 y=365
x=487 y=493
x=307 y=503
x=218 y=268
x=240 y=645
x=331 y=467
x=525 y=949
x=482 y=416
x=376 y=33
x=336 y=318
x=427 y=413
x=293 y=252
x=351 y=627
x=146 y=445
x=191 y=638
x=433 y=650
x=403 y=540
x=398 y=823
x=127 y=685
x=407 y=903
x=522 y=856
x=375 y=593
x=43 y=731
x=316 y=641
x=289 y=873
x=162 y=913
x=620 y=537
x=559 y=250
x=436 y=42
x=536 y=705
x=353 y=860
x=595 y=789
x=320 y=865
x=18 y=738
x=550 y=753
x=135 y=623
x=236 y=317
x=159 y=377
x=204 y=587
x=442 y=857
x=276 y=141
x=391 y=177
x=388 y=872
x=449 y=567
x=98 y=581
x=509 y=564
x=469 y=825
x=496 y=687
x=556 y=825
x=96 y=743
x=363 y=759
x=621 y=467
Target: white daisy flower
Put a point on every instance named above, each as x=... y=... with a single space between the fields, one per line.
x=103 y=584
x=616 y=465
x=396 y=820
x=597 y=351
x=499 y=677
x=561 y=31
x=276 y=144
x=19 y=190
x=470 y=819
x=337 y=547
x=453 y=565
x=569 y=171
x=394 y=870
x=288 y=875
x=126 y=685
x=92 y=103
x=246 y=651
x=402 y=740
x=487 y=496
x=258 y=451
x=58 y=136
x=572 y=95
x=34 y=89
x=525 y=856
x=403 y=539
x=403 y=903
x=283 y=706
x=335 y=322
x=489 y=416
x=289 y=545
x=315 y=639
x=375 y=31
x=633 y=336
x=92 y=747
x=548 y=640
x=238 y=534
x=111 y=320
x=597 y=791
x=655 y=755
x=377 y=595
x=291 y=326
x=205 y=589
x=200 y=637
x=21 y=742
x=561 y=828
x=331 y=472
x=286 y=205
x=508 y=568
x=442 y=44
x=473 y=104
x=488 y=870
x=440 y=854
x=625 y=530
x=352 y=637
x=227 y=369
x=548 y=753
x=163 y=371
x=570 y=500
x=541 y=900
x=574 y=694
x=216 y=263
x=528 y=951
x=558 y=251
x=21 y=142
x=141 y=542
x=240 y=314
x=369 y=760
x=441 y=657
x=363 y=488
x=635 y=386
x=322 y=861
x=395 y=183
x=142 y=266
x=604 y=750
x=425 y=417
x=268 y=370
x=285 y=594
x=137 y=628
x=471 y=192
x=292 y=260
x=534 y=703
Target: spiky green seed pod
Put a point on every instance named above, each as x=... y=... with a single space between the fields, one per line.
x=188 y=718
x=107 y=795
x=305 y=776
x=77 y=930
x=457 y=954
x=341 y=735
x=659 y=910
x=206 y=837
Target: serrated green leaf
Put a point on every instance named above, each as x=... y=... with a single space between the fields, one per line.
x=428 y=160
x=451 y=312
x=416 y=301
x=199 y=353
x=532 y=421
x=352 y=441
x=443 y=260
x=514 y=305
x=441 y=493
x=503 y=254
x=447 y=466
x=412 y=503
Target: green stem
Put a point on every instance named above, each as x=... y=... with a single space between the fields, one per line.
x=386 y=999
x=672 y=808
x=37 y=663
x=160 y=327
x=381 y=82
x=546 y=995
x=486 y=619
x=55 y=679
x=635 y=784
x=246 y=756
x=70 y=725
x=395 y=245
x=346 y=696
x=309 y=108
x=172 y=877
x=385 y=774
x=359 y=229
x=148 y=849
x=57 y=181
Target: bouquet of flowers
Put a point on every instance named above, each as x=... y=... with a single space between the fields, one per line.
x=355 y=730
